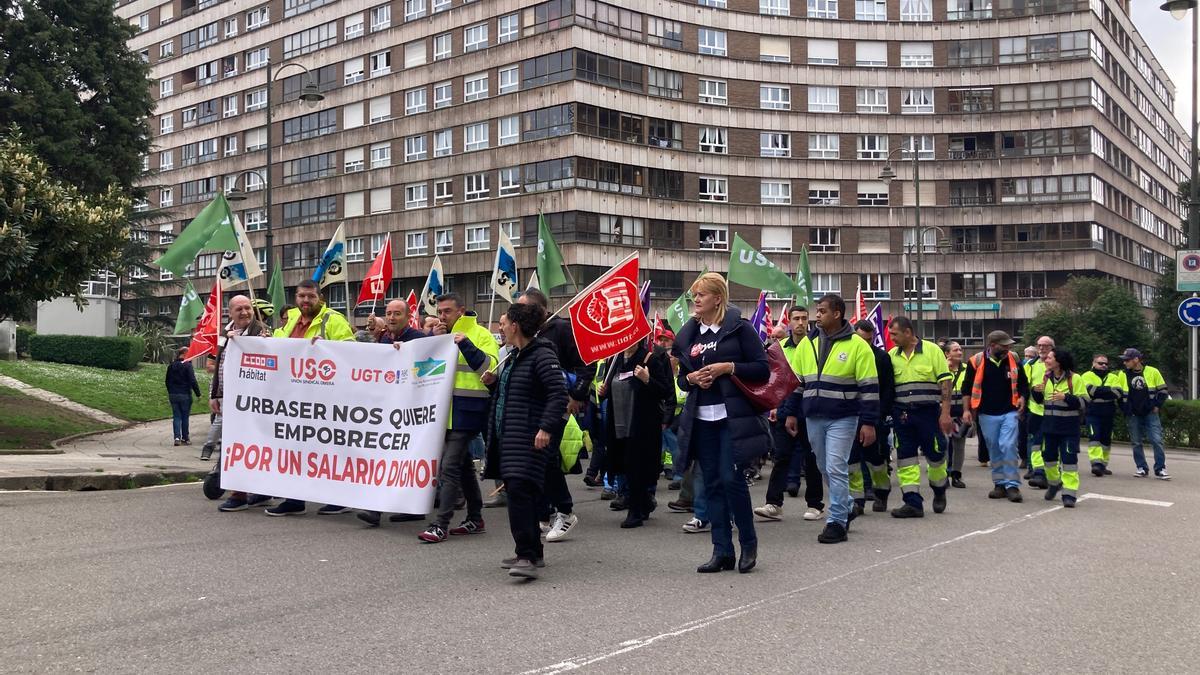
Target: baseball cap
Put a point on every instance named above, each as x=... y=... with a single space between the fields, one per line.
x=1130 y=354
x=999 y=337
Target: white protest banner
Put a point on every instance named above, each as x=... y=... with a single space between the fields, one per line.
x=359 y=425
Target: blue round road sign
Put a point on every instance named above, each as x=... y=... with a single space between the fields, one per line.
x=1189 y=312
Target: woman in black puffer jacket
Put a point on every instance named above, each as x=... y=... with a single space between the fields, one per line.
x=528 y=402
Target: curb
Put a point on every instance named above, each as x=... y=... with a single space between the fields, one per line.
x=74 y=437
x=87 y=482
x=17 y=452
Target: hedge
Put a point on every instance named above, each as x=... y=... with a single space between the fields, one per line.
x=1180 y=422
x=114 y=353
x=23 y=333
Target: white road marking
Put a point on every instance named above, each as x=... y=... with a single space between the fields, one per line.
x=734 y=612
x=1127 y=500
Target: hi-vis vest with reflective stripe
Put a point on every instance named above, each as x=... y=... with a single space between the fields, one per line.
x=1069 y=384
x=851 y=362
x=467 y=382
x=977 y=362
x=919 y=376
x=956 y=385
x=1035 y=372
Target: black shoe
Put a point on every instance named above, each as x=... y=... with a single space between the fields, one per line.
x=680 y=506
x=880 y=504
x=1029 y=474
x=1068 y=501
x=939 y=503
x=1097 y=471
x=958 y=483
x=793 y=490
x=997 y=492
x=369 y=517
x=1039 y=482
x=1107 y=471
x=675 y=485
x=618 y=504
x=592 y=481
x=1014 y=495
x=206 y=452
x=405 y=517
x=833 y=533
x=718 y=563
x=908 y=511
x=748 y=560
x=857 y=509
x=632 y=520
x=1052 y=492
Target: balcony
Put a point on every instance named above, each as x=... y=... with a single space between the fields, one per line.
x=984 y=153
x=978 y=146
x=973 y=247
x=972 y=192
x=971 y=200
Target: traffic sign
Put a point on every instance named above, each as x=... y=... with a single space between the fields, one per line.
x=1187 y=271
x=1189 y=312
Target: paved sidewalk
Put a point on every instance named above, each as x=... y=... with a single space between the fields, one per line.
x=140 y=455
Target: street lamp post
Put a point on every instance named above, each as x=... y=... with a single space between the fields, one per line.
x=1179 y=10
x=886 y=175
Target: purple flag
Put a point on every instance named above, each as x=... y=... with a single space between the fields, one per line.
x=759 y=318
x=875 y=316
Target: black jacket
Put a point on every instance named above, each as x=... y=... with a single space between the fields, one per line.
x=738 y=343
x=535 y=399
x=887 y=383
x=558 y=332
x=181 y=379
x=644 y=445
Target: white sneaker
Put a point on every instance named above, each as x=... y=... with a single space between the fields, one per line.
x=813 y=514
x=1162 y=475
x=696 y=525
x=562 y=527
x=1140 y=473
x=770 y=512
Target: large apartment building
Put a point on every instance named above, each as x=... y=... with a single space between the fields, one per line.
x=1044 y=132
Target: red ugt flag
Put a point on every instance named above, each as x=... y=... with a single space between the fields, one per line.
x=414 y=319
x=379 y=277
x=204 y=338
x=607 y=317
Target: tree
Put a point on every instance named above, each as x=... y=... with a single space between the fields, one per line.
x=1170 y=335
x=52 y=236
x=70 y=83
x=1091 y=315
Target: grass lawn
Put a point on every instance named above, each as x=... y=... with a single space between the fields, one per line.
x=28 y=423
x=138 y=395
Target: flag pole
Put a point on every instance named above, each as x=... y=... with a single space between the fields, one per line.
x=492 y=309
x=504 y=357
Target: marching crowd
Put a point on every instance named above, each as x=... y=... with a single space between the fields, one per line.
x=859 y=417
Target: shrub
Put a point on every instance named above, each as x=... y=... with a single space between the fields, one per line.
x=1180 y=422
x=160 y=345
x=114 y=353
x=23 y=333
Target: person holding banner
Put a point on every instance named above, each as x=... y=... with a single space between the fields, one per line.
x=525 y=414
x=243 y=320
x=719 y=426
x=311 y=320
x=478 y=353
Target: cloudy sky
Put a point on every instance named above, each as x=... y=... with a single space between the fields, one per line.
x=1171 y=42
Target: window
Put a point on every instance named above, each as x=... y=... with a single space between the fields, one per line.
x=822 y=9
x=142 y=22
x=715 y=237
x=870 y=10
x=443 y=92
x=475 y=37
x=416 y=196
x=924 y=145
x=381 y=17
x=774 y=97
x=231 y=27
x=308 y=41
x=714 y=139
x=510 y=129
x=872 y=100
x=506 y=30
x=440 y=6
x=475 y=87
x=414 y=9
x=608 y=71
x=199 y=38
x=443 y=240
x=822 y=52
x=381 y=155
x=256 y=100
x=381 y=63
x=916 y=101
x=872 y=193
x=775 y=192
x=513 y=229
x=381 y=109
x=443 y=191
x=166 y=124
x=381 y=200
x=664 y=134
x=872 y=146
x=166 y=160
x=824 y=193
x=442 y=45
x=166 y=50
x=352 y=160
x=665 y=83
x=824 y=146
x=664 y=33
x=352 y=27
x=478 y=237
x=352 y=115
x=475 y=137
x=414 y=54
x=310 y=168
x=916 y=54
x=307 y=211
x=255 y=219
x=354 y=205
x=476 y=186
x=870 y=54
x=352 y=71
x=166 y=87
x=510 y=181
x=973 y=285
x=916 y=10
x=294 y=7
x=875 y=286
x=256 y=139
x=968 y=53
x=774 y=49
x=443 y=142
x=256 y=58
x=714 y=92
x=414 y=148
x=774 y=144
x=826 y=283
x=719 y=4
x=166 y=197
x=414 y=101
x=711 y=42
x=823 y=99
x=354 y=250
x=377 y=242
x=776 y=239
x=509 y=79
x=775 y=8
x=416 y=243
x=714 y=189
x=229 y=66
x=229 y=106
x=258 y=17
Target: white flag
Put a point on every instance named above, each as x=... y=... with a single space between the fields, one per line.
x=332 y=268
x=241 y=265
x=434 y=286
x=533 y=282
x=504 y=272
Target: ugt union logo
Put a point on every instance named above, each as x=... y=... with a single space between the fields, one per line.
x=610 y=309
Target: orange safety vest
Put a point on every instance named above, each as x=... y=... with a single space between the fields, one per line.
x=977 y=384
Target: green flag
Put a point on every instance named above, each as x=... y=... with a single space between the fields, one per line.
x=804 y=279
x=275 y=290
x=680 y=311
x=211 y=229
x=549 y=258
x=190 y=309
x=750 y=268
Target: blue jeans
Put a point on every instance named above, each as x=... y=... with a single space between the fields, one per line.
x=671 y=445
x=724 y=487
x=1000 y=433
x=1150 y=428
x=699 y=500
x=181 y=407
x=831 y=441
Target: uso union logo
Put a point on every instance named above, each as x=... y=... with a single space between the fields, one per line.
x=610 y=309
x=313 y=371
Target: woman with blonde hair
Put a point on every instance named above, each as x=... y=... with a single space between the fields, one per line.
x=718 y=426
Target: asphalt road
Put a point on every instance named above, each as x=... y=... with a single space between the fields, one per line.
x=157 y=580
